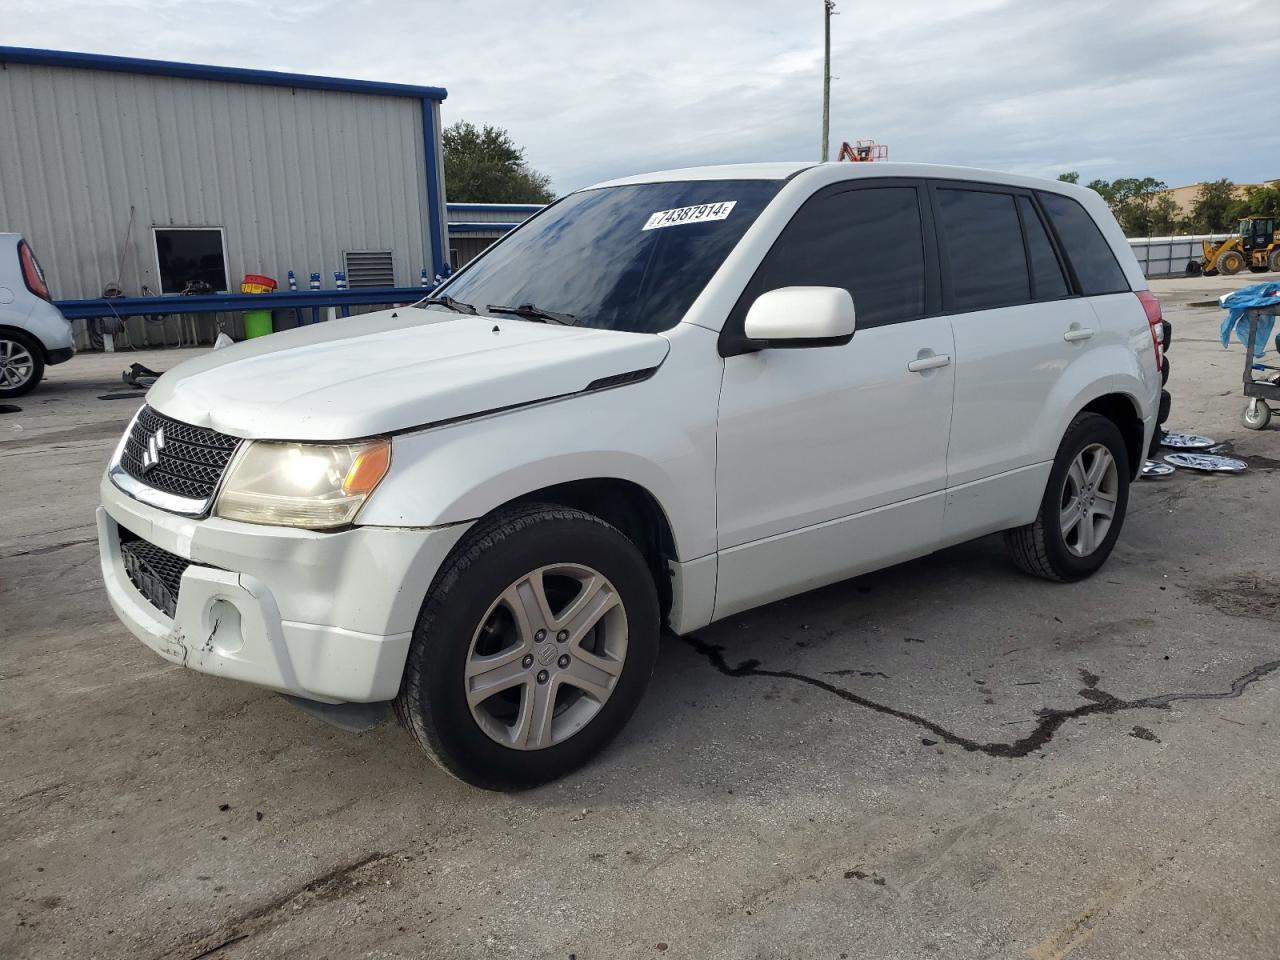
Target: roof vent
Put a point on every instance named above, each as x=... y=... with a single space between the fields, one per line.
x=370 y=268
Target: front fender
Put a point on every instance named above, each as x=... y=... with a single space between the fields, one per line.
x=658 y=434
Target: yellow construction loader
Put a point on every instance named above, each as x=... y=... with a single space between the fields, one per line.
x=1256 y=246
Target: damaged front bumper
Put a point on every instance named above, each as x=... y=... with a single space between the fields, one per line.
x=323 y=616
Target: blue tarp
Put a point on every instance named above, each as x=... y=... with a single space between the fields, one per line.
x=1257 y=296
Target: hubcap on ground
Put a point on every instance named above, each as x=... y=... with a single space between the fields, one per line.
x=1089 y=496
x=546 y=656
x=16 y=365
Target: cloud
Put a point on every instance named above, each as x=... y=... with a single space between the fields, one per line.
x=597 y=90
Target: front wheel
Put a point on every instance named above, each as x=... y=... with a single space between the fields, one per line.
x=1230 y=263
x=532 y=649
x=1083 y=507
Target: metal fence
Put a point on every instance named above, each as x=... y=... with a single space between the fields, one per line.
x=188 y=321
x=1166 y=256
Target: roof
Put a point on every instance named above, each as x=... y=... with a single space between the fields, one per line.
x=733 y=171
x=199 y=71
x=494 y=227
x=460 y=207
x=835 y=171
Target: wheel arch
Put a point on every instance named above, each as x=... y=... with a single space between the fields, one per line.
x=1125 y=412
x=27 y=335
x=623 y=504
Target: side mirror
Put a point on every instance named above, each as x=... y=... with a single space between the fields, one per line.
x=801 y=317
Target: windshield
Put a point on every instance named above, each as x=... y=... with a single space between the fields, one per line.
x=618 y=258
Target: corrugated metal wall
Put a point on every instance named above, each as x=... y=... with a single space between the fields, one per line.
x=1167 y=256
x=295 y=177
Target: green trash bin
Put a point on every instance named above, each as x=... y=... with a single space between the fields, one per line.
x=257 y=323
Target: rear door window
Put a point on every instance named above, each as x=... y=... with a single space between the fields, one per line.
x=1087 y=250
x=868 y=240
x=1047 y=279
x=983 y=240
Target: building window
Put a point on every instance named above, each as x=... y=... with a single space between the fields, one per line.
x=369 y=268
x=190 y=256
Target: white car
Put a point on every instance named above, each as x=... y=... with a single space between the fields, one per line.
x=33 y=332
x=661 y=401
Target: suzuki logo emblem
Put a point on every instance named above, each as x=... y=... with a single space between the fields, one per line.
x=151 y=455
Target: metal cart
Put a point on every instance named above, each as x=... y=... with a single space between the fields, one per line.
x=1261 y=392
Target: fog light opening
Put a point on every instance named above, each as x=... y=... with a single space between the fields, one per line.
x=222 y=623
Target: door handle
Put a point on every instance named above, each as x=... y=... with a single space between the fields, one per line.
x=922 y=364
x=1076 y=334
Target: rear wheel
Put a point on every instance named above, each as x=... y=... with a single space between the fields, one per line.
x=1230 y=263
x=21 y=364
x=1274 y=262
x=532 y=649
x=1083 y=507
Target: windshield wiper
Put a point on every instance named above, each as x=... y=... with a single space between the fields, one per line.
x=444 y=300
x=527 y=311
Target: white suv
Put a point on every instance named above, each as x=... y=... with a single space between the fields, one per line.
x=651 y=405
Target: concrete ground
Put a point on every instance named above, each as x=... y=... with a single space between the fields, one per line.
x=945 y=759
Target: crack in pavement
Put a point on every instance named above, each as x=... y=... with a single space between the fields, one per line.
x=329 y=886
x=1049 y=720
x=51 y=548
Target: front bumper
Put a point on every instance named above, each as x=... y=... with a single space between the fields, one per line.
x=326 y=616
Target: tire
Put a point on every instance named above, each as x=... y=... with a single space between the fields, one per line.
x=21 y=363
x=1256 y=415
x=1274 y=261
x=1230 y=263
x=509 y=561
x=1042 y=548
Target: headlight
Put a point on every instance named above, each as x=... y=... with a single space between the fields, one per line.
x=303 y=484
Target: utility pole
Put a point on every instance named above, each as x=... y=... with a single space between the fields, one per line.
x=828 y=7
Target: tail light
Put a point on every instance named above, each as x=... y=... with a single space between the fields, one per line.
x=1155 y=322
x=31 y=271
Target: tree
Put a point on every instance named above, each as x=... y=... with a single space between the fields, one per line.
x=1137 y=204
x=1259 y=201
x=1213 y=208
x=484 y=165
x=1164 y=215
x=1071 y=176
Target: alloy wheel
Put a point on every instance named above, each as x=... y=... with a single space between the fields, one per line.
x=546 y=656
x=16 y=364
x=1089 y=495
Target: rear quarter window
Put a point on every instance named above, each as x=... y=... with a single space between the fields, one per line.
x=1086 y=249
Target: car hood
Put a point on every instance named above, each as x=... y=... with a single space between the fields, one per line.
x=392 y=370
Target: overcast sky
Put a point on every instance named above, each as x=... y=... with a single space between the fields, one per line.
x=603 y=89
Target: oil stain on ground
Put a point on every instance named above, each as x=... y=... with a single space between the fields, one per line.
x=1245 y=595
x=1048 y=722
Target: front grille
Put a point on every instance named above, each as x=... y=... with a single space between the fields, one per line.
x=155 y=572
x=190 y=461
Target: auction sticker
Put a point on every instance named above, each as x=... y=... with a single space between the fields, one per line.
x=682 y=215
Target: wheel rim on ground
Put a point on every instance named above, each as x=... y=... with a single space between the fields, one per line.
x=1088 y=503
x=16 y=364
x=546 y=657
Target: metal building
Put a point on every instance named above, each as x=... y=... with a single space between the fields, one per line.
x=153 y=175
x=473 y=227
